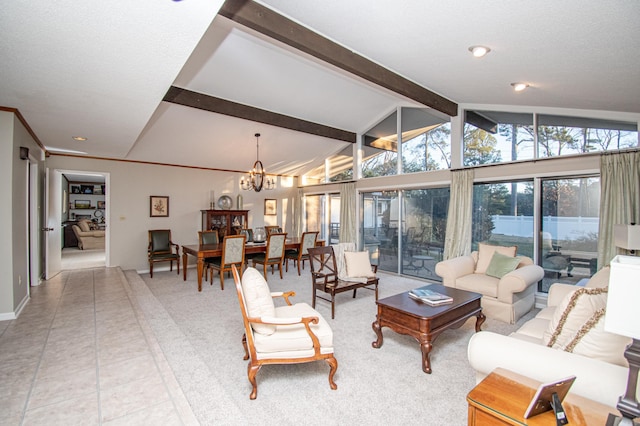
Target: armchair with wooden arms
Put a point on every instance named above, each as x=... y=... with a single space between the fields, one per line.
x=161 y=249
x=288 y=334
x=335 y=270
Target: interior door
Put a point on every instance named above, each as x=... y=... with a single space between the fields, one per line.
x=53 y=228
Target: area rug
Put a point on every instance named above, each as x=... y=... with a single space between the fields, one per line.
x=200 y=335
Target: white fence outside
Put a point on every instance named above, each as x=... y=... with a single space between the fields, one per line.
x=560 y=228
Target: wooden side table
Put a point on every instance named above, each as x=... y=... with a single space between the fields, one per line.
x=503 y=397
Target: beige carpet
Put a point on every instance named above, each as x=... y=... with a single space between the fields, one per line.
x=200 y=335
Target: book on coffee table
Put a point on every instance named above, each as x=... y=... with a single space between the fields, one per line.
x=430 y=297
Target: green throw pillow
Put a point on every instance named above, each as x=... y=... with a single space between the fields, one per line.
x=501 y=265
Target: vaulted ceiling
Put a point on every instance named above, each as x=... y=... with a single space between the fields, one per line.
x=140 y=79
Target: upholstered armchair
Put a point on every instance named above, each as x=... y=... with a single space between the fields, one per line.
x=162 y=249
x=88 y=237
x=507 y=283
x=289 y=334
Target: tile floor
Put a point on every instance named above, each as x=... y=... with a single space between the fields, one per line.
x=81 y=352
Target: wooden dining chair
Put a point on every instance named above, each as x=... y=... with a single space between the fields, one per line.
x=301 y=254
x=208 y=237
x=274 y=254
x=232 y=254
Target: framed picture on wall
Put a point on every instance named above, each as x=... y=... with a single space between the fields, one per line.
x=82 y=204
x=270 y=207
x=158 y=206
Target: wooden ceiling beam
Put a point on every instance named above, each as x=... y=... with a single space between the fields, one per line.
x=204 y=102
x=271 y=24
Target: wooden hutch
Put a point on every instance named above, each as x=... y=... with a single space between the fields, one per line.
x=227 y=222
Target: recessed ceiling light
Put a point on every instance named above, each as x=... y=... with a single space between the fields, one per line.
x=519 y=87
x=479 y=51
x=79 y=138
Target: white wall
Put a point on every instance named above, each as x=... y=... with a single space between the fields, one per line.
x=14 y=214
x=189 y=189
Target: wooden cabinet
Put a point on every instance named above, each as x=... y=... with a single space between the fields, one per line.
x=227 y=222
x=503 y=397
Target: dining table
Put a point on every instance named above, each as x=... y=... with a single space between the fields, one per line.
x=203 y=251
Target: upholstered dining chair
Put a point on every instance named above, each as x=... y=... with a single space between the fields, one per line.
x=248 y=233
x=161 y=249
x=232 y=254
x=301 y=254
x=208 y=237
x=288 y=334
x=274 y=255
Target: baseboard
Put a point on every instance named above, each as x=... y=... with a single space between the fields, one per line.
x=6 y=316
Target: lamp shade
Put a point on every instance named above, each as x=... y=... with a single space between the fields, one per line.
x=623 y=297
x=627 y=236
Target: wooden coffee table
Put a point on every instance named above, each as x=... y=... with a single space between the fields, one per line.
x=423 y=322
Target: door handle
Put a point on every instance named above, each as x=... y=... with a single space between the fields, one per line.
x=48 y=229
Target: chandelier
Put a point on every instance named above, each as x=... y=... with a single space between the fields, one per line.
x=257 y=178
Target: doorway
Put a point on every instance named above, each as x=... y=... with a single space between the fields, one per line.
x=84 y=219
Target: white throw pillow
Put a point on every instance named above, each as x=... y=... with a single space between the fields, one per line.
x=599 y=344
x=577 y=313
x=485 y=254
x=257 y=297
x=358 y=264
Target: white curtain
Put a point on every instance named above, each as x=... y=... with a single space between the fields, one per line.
x=348 y=213
x=297 y=213
x=619 y=199
x=457 y=240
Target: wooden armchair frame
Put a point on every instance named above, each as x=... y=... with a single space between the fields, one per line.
x=324 y=277
x=256 y=362
x=164 y=253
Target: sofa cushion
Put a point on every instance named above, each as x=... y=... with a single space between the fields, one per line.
x=257 y=297
x=600 y=278
x=599 y=344
x=485 y=253
x=291 y=339
x=479 y=283
x=358 y=264
x=578 y=311
x=501 y=265
x=84 y=226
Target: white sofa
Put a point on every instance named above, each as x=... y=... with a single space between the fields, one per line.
x=506 y=299
x=524 y=352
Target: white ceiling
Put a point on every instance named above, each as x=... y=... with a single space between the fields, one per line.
x=98 y=70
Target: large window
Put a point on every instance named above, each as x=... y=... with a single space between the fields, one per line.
x=410 y=241
x=380 y=148
x=426 y=141
x=314 y=215
x=379 y=227
x=424 y=220
x=569 y=237
x=559 y=135
x=503 y=215
x=495 y=137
